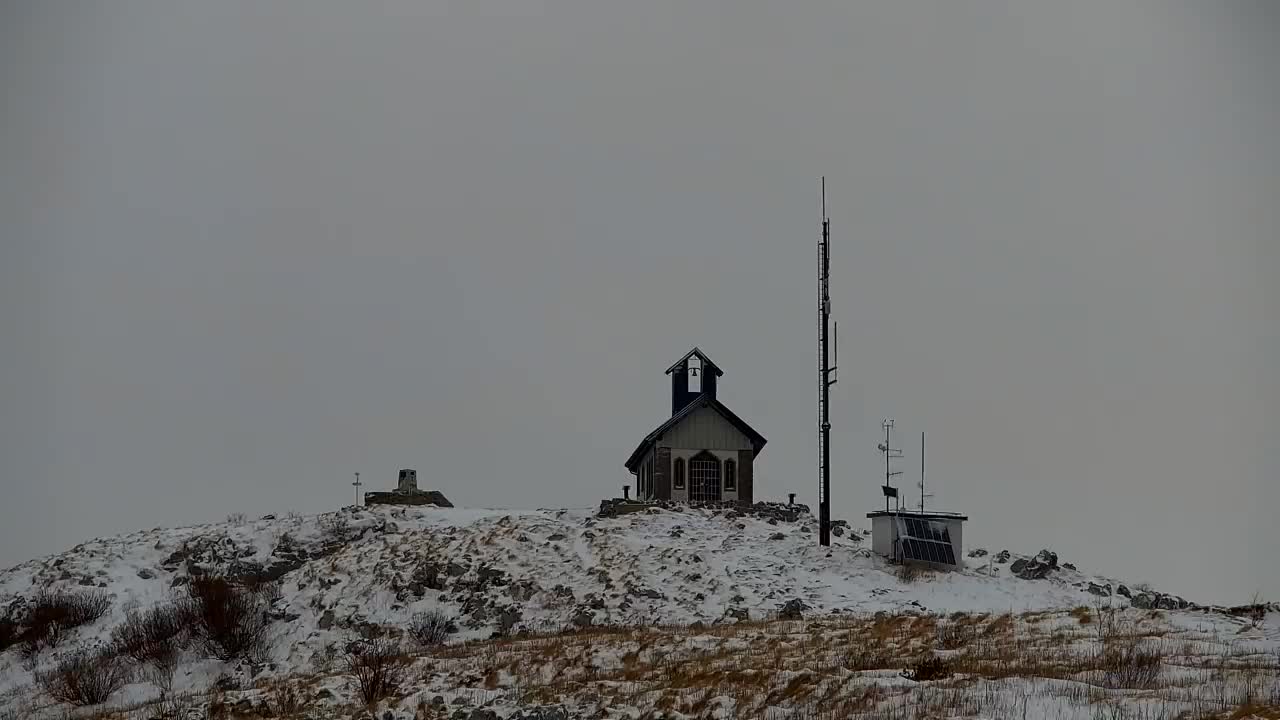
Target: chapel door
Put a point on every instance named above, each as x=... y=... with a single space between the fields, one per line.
x=704 y=478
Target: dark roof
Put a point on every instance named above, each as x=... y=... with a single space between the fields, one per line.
x=918 y=514
x=757 y=440
x=706 y=362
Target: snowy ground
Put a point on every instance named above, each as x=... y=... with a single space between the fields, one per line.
x=368 y=571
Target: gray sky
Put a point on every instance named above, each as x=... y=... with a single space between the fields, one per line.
x=251 y=248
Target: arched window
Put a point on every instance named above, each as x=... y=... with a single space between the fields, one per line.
x=730 y=476
x=678 y=473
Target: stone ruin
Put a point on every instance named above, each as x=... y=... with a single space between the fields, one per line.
x=407 y=493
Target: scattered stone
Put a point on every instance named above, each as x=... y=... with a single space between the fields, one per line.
x=1122 y=590
x=1002 y=557
x=978 y=552
x=738 y=614
x=557 y=537
x=1068 y=566
x=1100 y=590
x=326 y=620
x=838 y=531
x=792 y=609
x=778 y=536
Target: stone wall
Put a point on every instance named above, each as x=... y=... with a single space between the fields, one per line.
x=419 y=497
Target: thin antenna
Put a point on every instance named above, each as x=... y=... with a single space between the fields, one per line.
x=923 y=494
x=826 y=376
x=890 y=453
x=357 y=484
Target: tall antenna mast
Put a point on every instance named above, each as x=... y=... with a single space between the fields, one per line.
x=357 y=485
x=826 y=376
x=923 y=494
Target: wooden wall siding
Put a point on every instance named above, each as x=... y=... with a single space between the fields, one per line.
x=705 y=428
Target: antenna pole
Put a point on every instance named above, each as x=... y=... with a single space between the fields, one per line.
x=357 y=485
x=825 y=377
x=922 y=471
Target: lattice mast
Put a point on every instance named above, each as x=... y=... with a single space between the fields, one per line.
x=827 y=353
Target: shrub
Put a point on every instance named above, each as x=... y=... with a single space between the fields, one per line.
x=236 y=518
x=432 y=627
x=10 y=632
x=52 y=614
x=930 y=668
x=85 y=677
x=154 y=638
x=909 y=572
x=1130 y=665
x=230 y=620
x=336 y=527
x=378 y=666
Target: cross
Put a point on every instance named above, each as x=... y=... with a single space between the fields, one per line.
x=357 y=484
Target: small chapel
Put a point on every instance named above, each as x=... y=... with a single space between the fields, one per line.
x=703 y=453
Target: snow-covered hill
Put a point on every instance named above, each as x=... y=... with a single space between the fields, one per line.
x=357 y=571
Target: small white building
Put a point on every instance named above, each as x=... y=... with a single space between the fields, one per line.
x=932 y=538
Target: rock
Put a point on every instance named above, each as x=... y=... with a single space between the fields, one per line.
x=838 y=531
x=1144 y=601
x=738 y=614
x=557 y=537
x=1038 y=567
x=507 y=620
x=778 y=536
x=437 y=700
x=1100 y=590
x=806 y=529
x=146 y=574
x=647 y=593
x=1002 y=557
x=1068 y=566
x=978 y=552
x=792 y=609
x=542 y=713
x=1122 y=590
x=326 y=620
x=269 y=517
x=583 y=618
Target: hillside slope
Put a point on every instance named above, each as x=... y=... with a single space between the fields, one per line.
x=355 y=572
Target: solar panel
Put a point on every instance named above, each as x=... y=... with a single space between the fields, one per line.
x=926 y=541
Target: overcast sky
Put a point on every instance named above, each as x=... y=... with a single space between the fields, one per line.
x=249 y=249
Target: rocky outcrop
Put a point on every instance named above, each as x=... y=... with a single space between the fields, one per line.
x=1036 y=568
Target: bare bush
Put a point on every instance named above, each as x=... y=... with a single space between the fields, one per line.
x=52 y=614
x=431 y=627
x=955 y=635
x=379 y=666
x=154 y=636
x=237 y=518
x=285 y=701
x=85 y=677
x=10 y=632
x=230 y=620
x=909 y=572
x=930 y=668
x=1130 y=665
x=336 y=527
